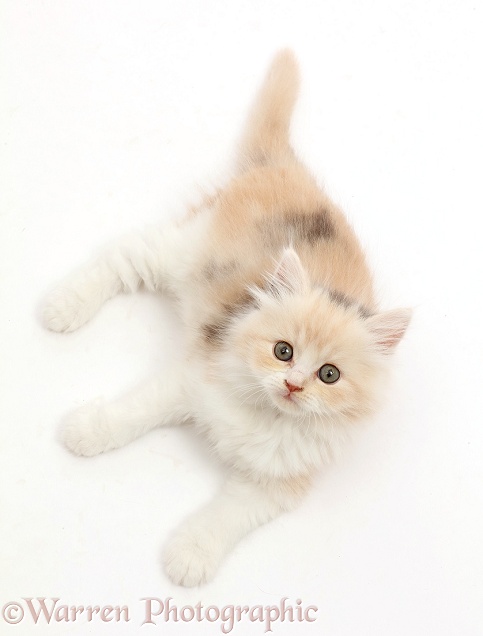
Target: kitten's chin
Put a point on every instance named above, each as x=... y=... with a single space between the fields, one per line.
x=287 y=403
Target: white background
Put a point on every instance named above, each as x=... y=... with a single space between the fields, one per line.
x=113 y=114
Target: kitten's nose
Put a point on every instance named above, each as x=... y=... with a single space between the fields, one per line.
x=292 y=387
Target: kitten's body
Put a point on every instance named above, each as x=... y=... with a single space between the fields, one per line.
x=267 y=259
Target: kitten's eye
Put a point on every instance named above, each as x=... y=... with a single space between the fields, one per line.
x=283 y=351
x=328 y=373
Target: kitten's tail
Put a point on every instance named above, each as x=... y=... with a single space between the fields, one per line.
x=266 y=136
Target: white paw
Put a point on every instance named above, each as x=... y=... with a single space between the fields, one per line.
x=86 y=431
x=66 y=310
x=191 y=558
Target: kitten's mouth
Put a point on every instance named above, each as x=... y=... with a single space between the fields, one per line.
x=286 y=401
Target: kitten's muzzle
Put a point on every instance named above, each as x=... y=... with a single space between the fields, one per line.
x=292 y=387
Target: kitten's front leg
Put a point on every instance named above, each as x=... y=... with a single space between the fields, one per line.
x=99 y=427
x=195 y=552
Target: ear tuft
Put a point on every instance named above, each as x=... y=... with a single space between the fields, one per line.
x=388 y=328
x=289 y=275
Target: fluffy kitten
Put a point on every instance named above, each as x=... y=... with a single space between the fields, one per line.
x=286 y=346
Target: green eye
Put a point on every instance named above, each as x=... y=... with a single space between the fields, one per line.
x=328 y=373
x=283 y=351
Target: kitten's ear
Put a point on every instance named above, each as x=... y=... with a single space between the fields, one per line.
x=289 y=275
x=388 y=328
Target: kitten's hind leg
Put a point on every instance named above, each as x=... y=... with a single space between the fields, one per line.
x=150 y=259
x=99 y=427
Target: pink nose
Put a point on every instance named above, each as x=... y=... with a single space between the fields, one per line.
x=292 y=388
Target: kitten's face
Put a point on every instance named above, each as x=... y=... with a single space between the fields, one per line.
x=305 y=355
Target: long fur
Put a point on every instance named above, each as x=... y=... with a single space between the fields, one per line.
x=268 y=259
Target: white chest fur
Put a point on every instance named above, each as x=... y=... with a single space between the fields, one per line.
x=261 y=441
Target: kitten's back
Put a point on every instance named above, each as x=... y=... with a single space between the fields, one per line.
x=272 y=203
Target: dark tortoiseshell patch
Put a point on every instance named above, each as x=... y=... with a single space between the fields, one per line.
x=214 y=270
x=213 y=333
x=312 y=227
x=341 y=299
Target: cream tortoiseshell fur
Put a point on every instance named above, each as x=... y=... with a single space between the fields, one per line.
x=267 y=259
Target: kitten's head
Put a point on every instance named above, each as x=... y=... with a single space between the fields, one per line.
x=306 y=350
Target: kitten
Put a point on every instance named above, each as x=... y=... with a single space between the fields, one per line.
x=286 y=345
